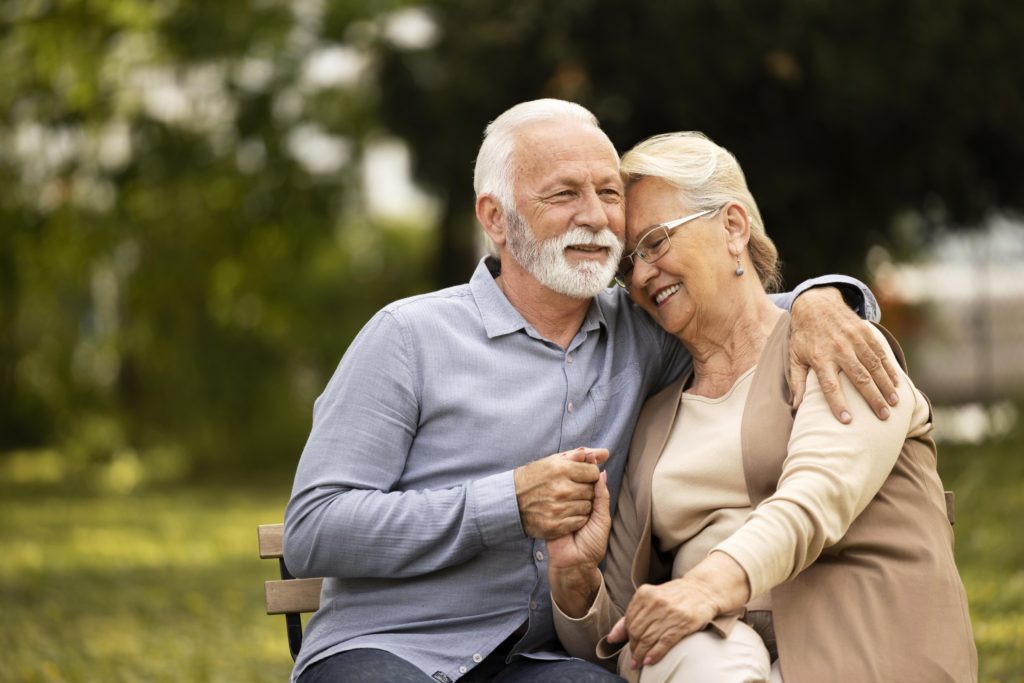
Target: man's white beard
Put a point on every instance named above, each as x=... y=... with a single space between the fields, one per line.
x=545 y=259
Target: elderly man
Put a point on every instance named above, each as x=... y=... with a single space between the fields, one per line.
x=422 y=493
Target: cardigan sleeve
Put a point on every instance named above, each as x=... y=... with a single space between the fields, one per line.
x=830 y=474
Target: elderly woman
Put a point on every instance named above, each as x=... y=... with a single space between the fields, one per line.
x=752 y=542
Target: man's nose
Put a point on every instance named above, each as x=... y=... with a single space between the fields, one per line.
x=593 y=213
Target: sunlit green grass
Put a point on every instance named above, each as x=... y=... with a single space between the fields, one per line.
x=165 y=584
x=156 y=586
x=989 y=485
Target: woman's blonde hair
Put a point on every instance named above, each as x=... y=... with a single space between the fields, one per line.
x=709 y=177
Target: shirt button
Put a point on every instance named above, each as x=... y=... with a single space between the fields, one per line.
x=533 y=604
x=569 y=407
x=568 y=359
x=478 y=658
x=539 y=556
x=463 y=669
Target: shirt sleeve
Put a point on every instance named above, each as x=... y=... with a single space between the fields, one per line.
x=858 y=296
x=831 y=473
x=345 y=517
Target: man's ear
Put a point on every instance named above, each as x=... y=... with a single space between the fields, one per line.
x=737 y=225
x=491 y=217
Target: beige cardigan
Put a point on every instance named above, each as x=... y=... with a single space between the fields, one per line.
x=885 y=603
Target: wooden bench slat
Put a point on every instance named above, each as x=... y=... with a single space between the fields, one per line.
x=293 y=595
x=270 y=536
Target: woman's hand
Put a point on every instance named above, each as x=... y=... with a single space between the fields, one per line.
x=660 y=616
x=587 y=545
x=573 y=558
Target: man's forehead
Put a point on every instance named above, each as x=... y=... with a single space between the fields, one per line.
x=548 y=145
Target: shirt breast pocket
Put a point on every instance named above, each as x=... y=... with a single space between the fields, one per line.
x=623 y=385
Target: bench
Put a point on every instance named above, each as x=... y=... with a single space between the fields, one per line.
x=288 y=595
x=291 y=596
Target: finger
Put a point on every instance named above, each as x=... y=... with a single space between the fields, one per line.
x=575 y=455
x=639 y=624
x=860 y=375
x=597 y=456
x=830 y=387
x=573 y=508
x=567 y=525
x=884 y=371
x=797 y=381
x=658 y=649
x=618 y=633
x=582 y=472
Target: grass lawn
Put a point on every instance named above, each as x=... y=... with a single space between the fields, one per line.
x=165 y=584
x=158 y=586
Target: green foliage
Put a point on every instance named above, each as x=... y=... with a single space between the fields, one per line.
x=185 y=245
x=179 y=269
x=845 y=115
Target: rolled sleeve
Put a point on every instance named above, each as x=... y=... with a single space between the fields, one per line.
x=856 y=294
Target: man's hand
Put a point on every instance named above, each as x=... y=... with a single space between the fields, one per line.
x=555 y=493
x=828 y=337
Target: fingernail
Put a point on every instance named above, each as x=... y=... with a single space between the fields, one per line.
x=885 y=413
x=844 y=417
x=647 y=661
x=894 y=398
x=635 y=665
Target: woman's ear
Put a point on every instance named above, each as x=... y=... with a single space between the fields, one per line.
x=737 y=226
x=492 y=218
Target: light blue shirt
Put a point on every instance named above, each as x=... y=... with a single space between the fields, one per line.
x=404 y=496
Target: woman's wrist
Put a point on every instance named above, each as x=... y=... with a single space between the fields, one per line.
x=574 y=589
x=723 y=579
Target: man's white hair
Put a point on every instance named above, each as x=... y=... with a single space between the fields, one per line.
x=494 y=171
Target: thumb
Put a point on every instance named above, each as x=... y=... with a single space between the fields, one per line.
x=618 y=633
x=602 y=501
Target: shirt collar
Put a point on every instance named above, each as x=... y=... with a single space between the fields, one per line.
x=499 y=316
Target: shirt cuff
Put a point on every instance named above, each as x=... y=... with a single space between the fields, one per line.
x=492 y=502
x=856 y=294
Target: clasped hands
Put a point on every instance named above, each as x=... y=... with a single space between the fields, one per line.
x=556 y=494
x=658 y=616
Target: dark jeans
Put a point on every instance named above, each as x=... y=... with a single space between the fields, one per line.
x=378 y=666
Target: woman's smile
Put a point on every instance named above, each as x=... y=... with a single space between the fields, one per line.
x=664 y=294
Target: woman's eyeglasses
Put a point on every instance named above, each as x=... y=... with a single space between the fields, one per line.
x=652 y=246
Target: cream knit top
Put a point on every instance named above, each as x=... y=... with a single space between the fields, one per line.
x=699 y=492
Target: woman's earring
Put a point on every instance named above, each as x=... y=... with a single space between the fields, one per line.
x=739 y=268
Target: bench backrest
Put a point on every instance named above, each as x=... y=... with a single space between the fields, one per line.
x=288 y=595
